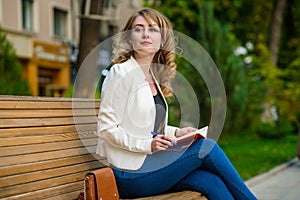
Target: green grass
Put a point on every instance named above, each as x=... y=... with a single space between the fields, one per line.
x=252 y=155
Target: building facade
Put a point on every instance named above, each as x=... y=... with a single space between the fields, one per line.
x=44 y=33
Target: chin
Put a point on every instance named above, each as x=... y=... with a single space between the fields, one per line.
x=148 y=50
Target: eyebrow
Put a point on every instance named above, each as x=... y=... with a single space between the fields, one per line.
x=151 y=25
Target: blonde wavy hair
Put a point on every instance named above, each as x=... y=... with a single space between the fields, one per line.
x=163 y=64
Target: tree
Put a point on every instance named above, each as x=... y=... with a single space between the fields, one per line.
x=199 y=22
x=11 y=80
x=289 y=63
x=89 y=39
x=275 y=30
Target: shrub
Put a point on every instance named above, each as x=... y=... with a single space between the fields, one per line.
x=11 y=80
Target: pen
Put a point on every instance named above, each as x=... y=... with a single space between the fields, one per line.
x=153 y=134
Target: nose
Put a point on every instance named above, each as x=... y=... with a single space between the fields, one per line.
x=146 y=33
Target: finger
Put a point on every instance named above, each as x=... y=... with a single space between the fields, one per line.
x=161 y=149
x=161 y=146
x=168 y=140
x=164 y=147
x=164 y=142
x=192 y=129
x=159 y=142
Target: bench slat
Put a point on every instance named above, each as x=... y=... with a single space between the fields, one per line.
x=47 y=174
x=35 y=104
x=49 y=139
x=69 y=189
x=43 y=184
x=45 y=147
x=27 y=158
x=68 y=196
x=43 y=165
x=13 y=123
x=46 y=130
x=8 y=114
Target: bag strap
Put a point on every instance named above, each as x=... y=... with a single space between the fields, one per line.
x=95 y=181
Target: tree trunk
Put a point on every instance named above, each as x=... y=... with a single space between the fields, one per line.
x=89 y=39
x=275 y=30
x=298 y=146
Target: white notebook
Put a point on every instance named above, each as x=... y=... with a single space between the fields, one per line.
x=200 y=133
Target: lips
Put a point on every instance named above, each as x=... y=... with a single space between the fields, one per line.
x=146 y=42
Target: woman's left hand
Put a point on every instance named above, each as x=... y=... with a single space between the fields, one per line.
x=184 y=131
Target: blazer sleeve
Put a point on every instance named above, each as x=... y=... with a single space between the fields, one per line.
x=170 y=130
x=114 y=95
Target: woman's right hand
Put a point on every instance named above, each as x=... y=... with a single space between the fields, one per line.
x=161 y=143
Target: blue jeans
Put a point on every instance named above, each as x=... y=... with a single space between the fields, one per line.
x=203 y=167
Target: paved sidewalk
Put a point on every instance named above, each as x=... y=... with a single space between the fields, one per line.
x=280 y=183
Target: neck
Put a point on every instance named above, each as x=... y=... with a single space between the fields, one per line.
x=144 y=62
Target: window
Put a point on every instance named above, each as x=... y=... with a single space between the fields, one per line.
x=60 y=23
x=27 y=15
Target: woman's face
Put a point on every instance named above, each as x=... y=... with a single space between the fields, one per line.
x=145 y=38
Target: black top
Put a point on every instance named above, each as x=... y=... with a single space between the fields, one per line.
x=160 y=113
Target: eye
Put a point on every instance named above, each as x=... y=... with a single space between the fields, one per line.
x=153 y=29
x=138 y=29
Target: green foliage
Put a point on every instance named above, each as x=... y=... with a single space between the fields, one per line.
x=277 y=130
x=267 y=130
x=198 y=21
x=250 y=21
x=70 y=90
x=220 y=43
x=221 y=26
x=248 y=85
x=252 y=155
x=11 y=80
x=289 y=64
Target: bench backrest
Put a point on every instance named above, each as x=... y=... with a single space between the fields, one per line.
x=44 y=154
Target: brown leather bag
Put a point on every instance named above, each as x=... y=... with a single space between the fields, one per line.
x=100 y=184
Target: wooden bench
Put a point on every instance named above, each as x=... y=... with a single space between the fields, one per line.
x=47 y=145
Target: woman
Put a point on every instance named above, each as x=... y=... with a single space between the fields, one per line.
x=133 y=106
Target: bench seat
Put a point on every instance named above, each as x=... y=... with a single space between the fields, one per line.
x=47 y=145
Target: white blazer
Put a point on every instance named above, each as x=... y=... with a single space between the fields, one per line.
x=126 y=117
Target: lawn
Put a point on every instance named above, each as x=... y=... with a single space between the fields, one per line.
x=252 y=155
